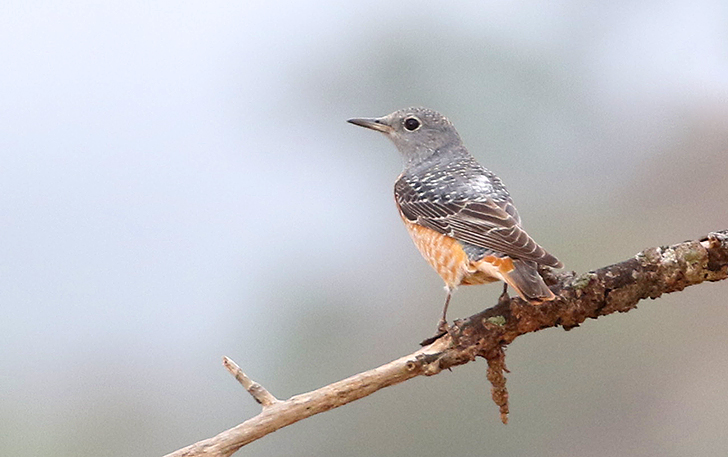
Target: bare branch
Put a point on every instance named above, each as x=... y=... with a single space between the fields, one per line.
x=259 y=393
x=616 y=288
x=282 y=413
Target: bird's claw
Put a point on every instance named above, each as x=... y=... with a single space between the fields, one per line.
x=442 y=330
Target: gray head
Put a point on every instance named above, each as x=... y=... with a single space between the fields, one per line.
x=418 y=133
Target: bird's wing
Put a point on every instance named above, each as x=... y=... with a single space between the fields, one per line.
x=484 y=223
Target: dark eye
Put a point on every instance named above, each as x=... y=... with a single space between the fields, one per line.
x=411 y=124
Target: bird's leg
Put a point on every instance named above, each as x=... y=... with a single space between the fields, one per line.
x=442 y=325
x=504 y=298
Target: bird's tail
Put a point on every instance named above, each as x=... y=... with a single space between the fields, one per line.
x=528 y=283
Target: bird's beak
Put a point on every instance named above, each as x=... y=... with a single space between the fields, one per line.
x=378 y=124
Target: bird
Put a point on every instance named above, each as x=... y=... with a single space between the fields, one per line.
x=459 y=214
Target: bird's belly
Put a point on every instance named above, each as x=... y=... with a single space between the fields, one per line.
x=447 y=257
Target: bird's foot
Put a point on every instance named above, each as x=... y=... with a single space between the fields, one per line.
x=442 y=330
x=504 y=299
x=442 y=327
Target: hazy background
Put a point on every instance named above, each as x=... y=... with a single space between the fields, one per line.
x=178 y=183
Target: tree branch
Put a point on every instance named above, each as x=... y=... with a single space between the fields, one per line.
x=616 y=288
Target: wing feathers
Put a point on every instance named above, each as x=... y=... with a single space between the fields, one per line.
x=483 y=222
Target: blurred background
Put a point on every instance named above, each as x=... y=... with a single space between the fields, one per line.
x=178 y=183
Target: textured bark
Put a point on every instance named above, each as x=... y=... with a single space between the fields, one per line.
x=616 y=288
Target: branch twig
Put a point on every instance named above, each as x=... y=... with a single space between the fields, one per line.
x=259 y=393
x=616 y=288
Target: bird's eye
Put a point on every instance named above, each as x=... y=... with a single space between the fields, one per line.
x=411 y=124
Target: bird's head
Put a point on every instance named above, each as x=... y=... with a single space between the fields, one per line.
x=418 y=133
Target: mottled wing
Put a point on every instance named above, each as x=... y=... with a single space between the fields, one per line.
x=484 y=223
x=510 y=208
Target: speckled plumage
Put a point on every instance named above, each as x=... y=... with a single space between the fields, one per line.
x=459 y=214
